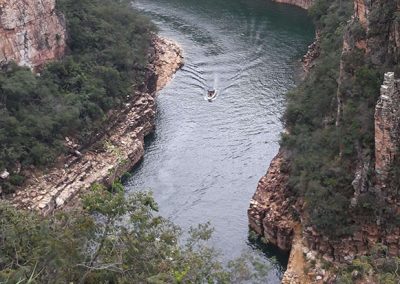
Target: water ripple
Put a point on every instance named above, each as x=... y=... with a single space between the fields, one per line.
x=205 y=159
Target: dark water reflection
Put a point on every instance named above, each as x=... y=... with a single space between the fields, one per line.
x=205 y=159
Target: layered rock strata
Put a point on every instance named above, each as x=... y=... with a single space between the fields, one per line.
x=31 y=32
x=274 y=216
x=117 y=149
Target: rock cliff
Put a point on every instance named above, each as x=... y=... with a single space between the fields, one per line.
x=118 y=148
x=269 y=212
x=275 y=212
x=31 y=32
x=387 y=128
x=379 y=47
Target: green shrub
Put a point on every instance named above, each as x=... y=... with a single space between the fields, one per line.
x=17 y=180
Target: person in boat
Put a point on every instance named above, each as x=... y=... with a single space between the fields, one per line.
x=211 y=93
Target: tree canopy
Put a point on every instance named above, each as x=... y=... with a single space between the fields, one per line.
x=114 y=239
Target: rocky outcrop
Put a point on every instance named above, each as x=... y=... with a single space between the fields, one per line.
x=117 y=149
x=361 y=10
x=295 y=272
x=305 y=4
x=270 y=210
x=313 y=52
x=169 y=58
x=31 y=32
x=387 y=128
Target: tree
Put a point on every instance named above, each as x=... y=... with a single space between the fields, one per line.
x=115 y=239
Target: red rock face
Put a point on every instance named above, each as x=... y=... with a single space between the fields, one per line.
x=269 y=212
x=361 y=11
x=31 y=32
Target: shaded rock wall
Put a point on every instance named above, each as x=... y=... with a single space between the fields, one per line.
x=31 y=32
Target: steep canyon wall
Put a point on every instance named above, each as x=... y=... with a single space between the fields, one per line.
x=274 y=214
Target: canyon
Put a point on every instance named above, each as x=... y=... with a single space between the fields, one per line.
x=32 y=33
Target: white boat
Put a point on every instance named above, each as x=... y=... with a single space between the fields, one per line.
x=211 y=95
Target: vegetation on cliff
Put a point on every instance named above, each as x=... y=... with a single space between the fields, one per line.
x=315 y=172
x=330 y=118
x=108 y=53
x=115 y=239
x=375 y=267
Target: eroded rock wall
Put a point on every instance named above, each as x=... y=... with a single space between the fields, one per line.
x=31 y=32
x=361 y=10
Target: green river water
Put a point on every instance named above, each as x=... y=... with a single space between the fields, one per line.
x=205 y=159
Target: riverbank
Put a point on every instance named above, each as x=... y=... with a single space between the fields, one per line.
x=118 y=147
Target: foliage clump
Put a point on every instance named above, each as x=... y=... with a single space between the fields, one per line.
x=375 y=267
x=115 y=239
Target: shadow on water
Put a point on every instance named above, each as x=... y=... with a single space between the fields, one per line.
x=279 y=257
x=148 y=140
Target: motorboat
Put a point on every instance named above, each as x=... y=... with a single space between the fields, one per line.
x=211 y=95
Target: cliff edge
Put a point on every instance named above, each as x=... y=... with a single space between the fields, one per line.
x=117 y=149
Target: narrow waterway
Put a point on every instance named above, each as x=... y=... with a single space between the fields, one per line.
x=205 y=159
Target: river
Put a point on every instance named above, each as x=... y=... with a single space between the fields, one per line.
x=204 y=160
